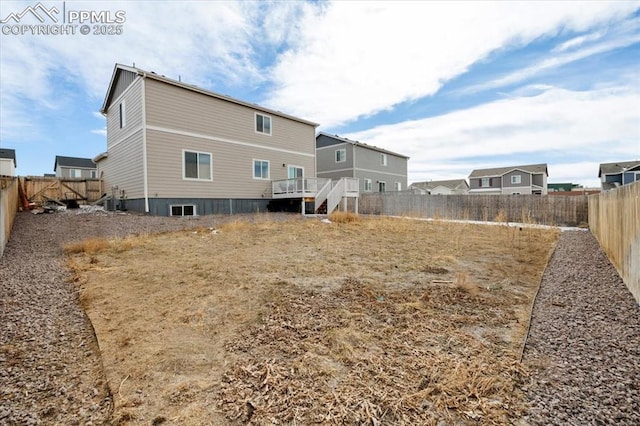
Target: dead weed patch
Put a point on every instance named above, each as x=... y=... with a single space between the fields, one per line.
x=375 y=321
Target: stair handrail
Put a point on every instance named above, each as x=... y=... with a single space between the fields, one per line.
x=321 y=196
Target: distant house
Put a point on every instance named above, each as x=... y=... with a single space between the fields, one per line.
x=8 y=162
x=442 y=187
x=377 y=169
x=174 y=149
x=527 y=179
x=620 y=173
x=74 y=167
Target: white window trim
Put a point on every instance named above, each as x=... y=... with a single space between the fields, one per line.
x=171 y=206
x=368 y=182
x=94 y=174
x=289 y=166
x=488 y=183
x=122 y=115
x=255 y=124
x=384 y=161
x=519 y=178
x=398 y=186
x=197 y=179
x=253 y=171
x=385 y=185
x=344 y=155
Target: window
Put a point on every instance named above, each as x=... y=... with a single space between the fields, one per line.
x=295 y=172
x=382 y=186
x=260 y=169
x=75 y=173
x=121 y=113
x=341 y=155
x=94 y=174
x=197 y=165
x=263 y=124
x=368 y=186
x=516 y=179
x=383 y=159
x=398 y=186
x=183 y=210
x=485 y=182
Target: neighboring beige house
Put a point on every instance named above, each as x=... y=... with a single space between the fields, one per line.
x=527 y=179
x=8 y=162
x=176 y=149
x=613 y=175
x=74 y=167
x=442 y=187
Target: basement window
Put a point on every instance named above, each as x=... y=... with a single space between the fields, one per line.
x=183 y=210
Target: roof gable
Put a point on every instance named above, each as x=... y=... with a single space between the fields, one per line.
x=452 y=184
x=9 y=154
x=82 y=163
x=617 y=167
x=339 y=139
x=500 y=171
x=119 y=68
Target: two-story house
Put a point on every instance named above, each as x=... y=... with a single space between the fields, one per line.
x=176 y=149
x=74 y=167
x=527 y=179
x=620 y=173
x=8 y=162
x=442 y=187
x=377 y=169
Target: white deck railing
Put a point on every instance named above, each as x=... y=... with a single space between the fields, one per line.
x=298 y=187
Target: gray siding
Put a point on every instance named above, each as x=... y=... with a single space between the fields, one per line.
x=474 y=183
x=326 y=160
x=125 y=78
x=161 y=206
x=368 y=164
x=65 y=172
x=132 y=99
x=539 y=180
x=525 y=179
x=322 y=141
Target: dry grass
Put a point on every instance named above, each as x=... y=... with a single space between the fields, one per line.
x=377 y=320
x=343 y=217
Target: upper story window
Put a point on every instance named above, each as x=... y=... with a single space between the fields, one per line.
x=263 y=124
x=516 y=179
x=485 y=182
x=121 y=115
x=398 y=186
x=260 y=169
x=341 y=155
x=197 y=165
x=368 y=185
x=94 y=174
x=383 y=159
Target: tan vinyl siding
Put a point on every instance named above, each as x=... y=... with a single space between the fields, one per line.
x=132 y=98
x=232 y=167
x=123 y=167
x=175 y=108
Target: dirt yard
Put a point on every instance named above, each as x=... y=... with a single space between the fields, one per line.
x=374 y=321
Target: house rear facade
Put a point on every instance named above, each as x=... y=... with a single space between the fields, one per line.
x=74 y=167
x=377 y=169
x=8 y=162
x=175 y=149
x=527 y=179
x=619 y=173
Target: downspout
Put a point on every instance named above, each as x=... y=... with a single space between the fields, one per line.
x=145 y=180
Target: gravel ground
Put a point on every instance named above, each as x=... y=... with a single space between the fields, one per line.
x=584 y=342
x=584 y=346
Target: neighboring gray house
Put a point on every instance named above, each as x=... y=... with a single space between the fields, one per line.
x=176 y=149
x=74 y=167
x=528 y=179
x=613 y=175
x=377 y=169
x=442 y=187
x=8 y=162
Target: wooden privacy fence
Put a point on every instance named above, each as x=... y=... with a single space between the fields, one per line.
x=614 y=219
x=556 y=210
x=8 y=209
x=41 y=189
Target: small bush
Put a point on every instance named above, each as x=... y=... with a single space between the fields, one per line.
x=344 y=217
x=89 y=246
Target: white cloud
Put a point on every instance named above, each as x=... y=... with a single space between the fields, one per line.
x=358 y=58
x=598 y=124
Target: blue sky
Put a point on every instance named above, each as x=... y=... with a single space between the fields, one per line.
x=453 y=85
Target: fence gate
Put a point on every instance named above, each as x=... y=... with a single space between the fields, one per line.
x=39 y=190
